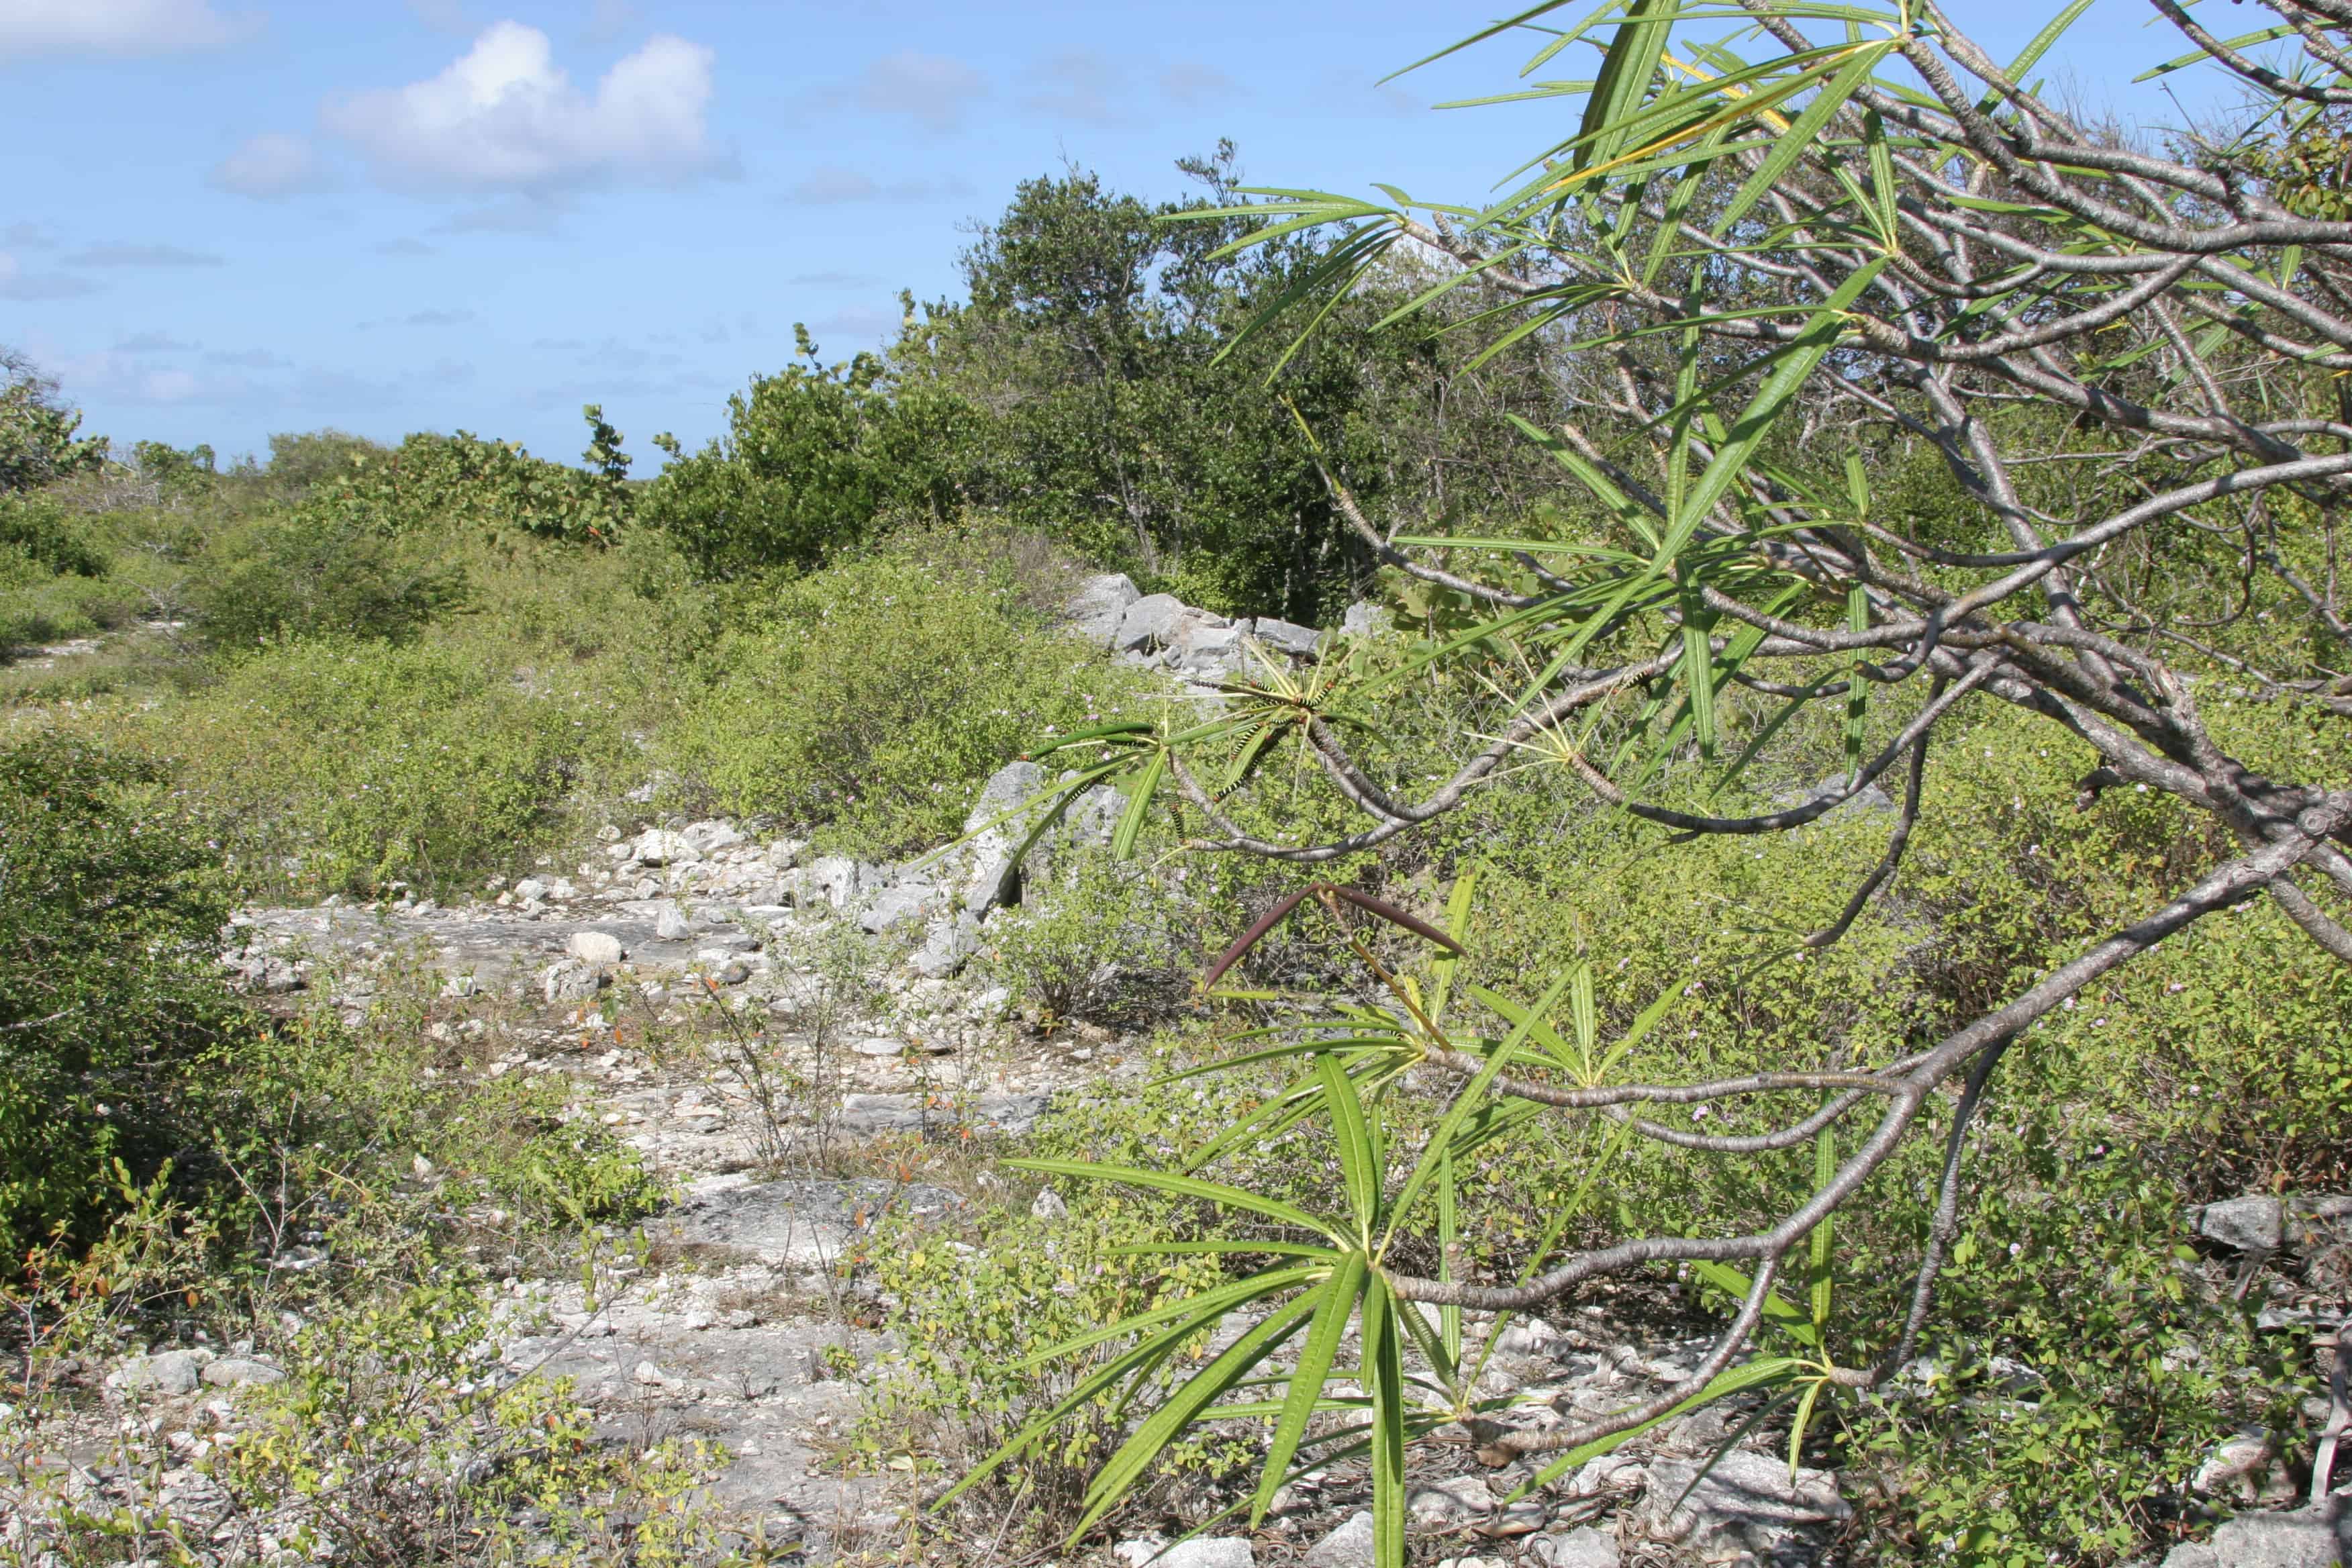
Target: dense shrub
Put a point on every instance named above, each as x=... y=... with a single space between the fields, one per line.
x=109 y=997
x=812 y=457
x=308 y=575
x=331 y=765
x=871 y=698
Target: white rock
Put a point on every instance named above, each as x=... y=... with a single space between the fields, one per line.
x=568 y=980
x=1212 y=1551
x=1049 y=1206
x=1148 y=622
x=671 y=926
x=602 y=949
x=235 y=1371
x=1450 y=1503
x=530 y=888
x=2304 y=1539
x=1747 y=1503
x=658 y=846
x=1350 y=1546
x=1583 y=1547
x=171 y=1372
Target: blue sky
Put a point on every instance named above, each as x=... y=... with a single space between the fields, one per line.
x=226 y=217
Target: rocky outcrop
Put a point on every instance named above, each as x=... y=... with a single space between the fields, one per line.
x=1199 y=646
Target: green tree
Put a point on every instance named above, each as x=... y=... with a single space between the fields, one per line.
x=1798 y=256
x=37 y=441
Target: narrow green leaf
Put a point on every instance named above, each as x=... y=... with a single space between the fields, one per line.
x=1183 y=1186
x=1306 y=1394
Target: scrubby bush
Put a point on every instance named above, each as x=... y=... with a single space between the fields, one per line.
x=870 y=699
x=306 y=574
x=109 y=995
x=339 y=765
x=38 y=439
x=812 y=458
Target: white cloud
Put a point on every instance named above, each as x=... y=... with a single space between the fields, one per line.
x=113 y=26
x=506 y=117
x=933 y=88
x=272 y=164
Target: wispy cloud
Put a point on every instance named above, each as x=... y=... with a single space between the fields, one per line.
x=18 y=284
x=272 y=164
x=1194 y=85
x=142 y=255
x=153 y=344
x=935 y=91
x=405 y=247
x=830 y=186
x=249 y=359
x=115 y=26
x=1082 y=85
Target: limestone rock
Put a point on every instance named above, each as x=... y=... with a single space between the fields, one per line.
x=597 y=948
x=1212 y=1552
x=1148 y=622
x=2308 y=1538
x=568 y=980
x=660 y=846
x=953 y=938
x=1583 y=1547
x=1744 y=1504
x=1450 y=1504
x=897 y=906
x=1095 y=611
x=171 y=1372
x=995 y=876
x=235 y=1371
x=1350 y=1546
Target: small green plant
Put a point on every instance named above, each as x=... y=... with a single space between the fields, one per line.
x=112 y=1001
x=869 y=701
x=1085 y=936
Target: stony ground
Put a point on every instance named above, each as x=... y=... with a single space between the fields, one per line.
x=637 y=977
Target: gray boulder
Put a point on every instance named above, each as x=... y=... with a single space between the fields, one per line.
x=1350 y=1546
x=1150 y=622
x=672 y=926
x=600 y=949
x=568 y=980
x=2252 y=1224
x=2318 y=1537
x=896 y=906
x=1745 y=1504
x=1287 y=637
x=1209 y=653
x=235 y=1372
x=1100 y=603
x=172 y=1373
x=1583 y=1547
x=995 y=874
x=953 y=938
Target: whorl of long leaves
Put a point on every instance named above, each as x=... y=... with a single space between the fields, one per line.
x=1793 y=242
